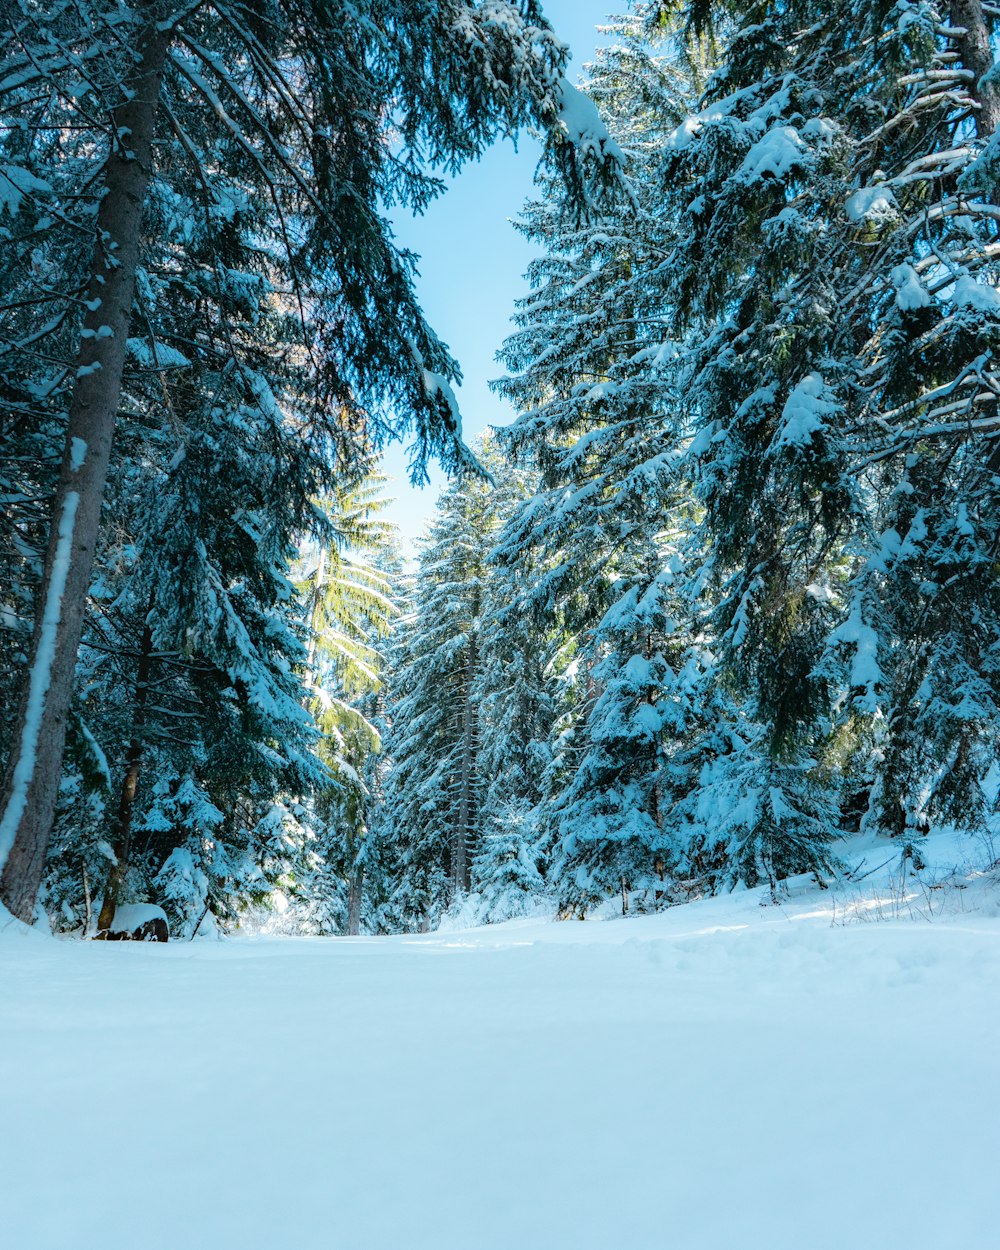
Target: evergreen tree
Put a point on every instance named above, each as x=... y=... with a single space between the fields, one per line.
x=518 y=707
x=435 y=783
x=348 y=586
x=603 y=537
x=145 y=149
x=837 y=287
x=463 y=695
x=505 y=867
x=194 y=652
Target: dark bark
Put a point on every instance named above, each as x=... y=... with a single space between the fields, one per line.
x=86 y=903
x=467 y=780
x=32 y=776
x=354 y=901
x=122 y=843
x=976 y=54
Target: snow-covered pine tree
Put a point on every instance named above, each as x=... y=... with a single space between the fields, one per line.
x=600 y=543
x=836 y=281
x=228 y=116
x=505 y=865
x=210 y=481
x=516 y=694
x=464 y=687
x=434 y=785
x=348 y=584
x=385 y=906
x=194 y=651
x=518 y=705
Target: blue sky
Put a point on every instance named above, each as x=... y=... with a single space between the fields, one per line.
x=472 y=266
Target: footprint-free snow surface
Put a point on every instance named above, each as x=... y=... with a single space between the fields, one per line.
x=724 y=1076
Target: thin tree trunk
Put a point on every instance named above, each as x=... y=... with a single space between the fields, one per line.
x=122 y=843
x=86 y=903
x=32 y=776
x=204 y=913
x=354 y=901
x=317 y=596
x=976 y=54
x=466 y=801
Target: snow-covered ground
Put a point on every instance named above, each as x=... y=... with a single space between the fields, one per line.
x=726 y=1076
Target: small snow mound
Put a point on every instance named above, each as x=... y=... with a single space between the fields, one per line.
x=873 y=204
x=690 y=129
x=131 y=916
x=976 y=295
x=11 y=928
x=910 y=294
x=15 y=184
x=156 y=354
x=804 y=413
x=776 y=155
x=820 y=129
x=581 y=123
x=436 y=384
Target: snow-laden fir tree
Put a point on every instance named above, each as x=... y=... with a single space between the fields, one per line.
x=435 y=785
x=461 y=701
x=348 y=583
x=194 y=653
x=518 y=699
x=835 y=280
x=601 y=545
x=144 y=147
x=506 y=869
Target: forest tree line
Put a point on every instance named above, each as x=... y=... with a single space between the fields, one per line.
x=726 y=588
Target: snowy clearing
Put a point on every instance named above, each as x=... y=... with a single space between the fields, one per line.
x=724 y=1075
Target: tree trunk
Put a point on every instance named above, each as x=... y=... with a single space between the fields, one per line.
x=317 y=596
x=976 y=54
x=354 y=901
x=86 y=903
x=467 y=780
x=122 y=843
x=32 y=776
